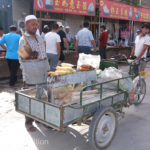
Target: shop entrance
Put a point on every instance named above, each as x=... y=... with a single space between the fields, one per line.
x=48 y=22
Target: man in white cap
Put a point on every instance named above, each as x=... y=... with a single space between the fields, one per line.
x=68 y=34
x=46 y=29
x=37 y=45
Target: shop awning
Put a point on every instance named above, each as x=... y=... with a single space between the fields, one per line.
x=115 y=10
x=78 y=7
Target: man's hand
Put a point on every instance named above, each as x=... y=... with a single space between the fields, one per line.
x=3 y=46
x=95 y=50
x=94 y=44
x=58 y=49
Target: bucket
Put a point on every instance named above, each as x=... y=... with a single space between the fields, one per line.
x=34 y=71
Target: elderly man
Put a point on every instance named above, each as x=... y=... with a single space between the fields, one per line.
x=37 y=45
x=68 y=34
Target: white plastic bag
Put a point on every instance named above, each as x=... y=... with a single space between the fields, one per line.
x=88 y=59
x=112 y=73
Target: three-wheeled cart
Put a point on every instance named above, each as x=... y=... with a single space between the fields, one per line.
x=102 y=106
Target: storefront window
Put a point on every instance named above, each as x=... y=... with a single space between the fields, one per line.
x=3 y=20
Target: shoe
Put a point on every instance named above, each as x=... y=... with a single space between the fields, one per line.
x=30 y=128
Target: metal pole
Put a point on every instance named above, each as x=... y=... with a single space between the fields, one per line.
x=99 y=29
x=140 y=2
x=40 y=22
x=132 y=32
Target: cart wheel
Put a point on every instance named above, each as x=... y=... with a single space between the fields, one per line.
x=103 y=128
x=140 y=92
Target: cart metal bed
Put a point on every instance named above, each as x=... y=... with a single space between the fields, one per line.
x=109 y=100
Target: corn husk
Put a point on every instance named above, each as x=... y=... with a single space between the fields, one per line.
x=66 y=65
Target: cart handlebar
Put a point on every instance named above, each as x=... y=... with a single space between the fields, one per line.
x=130 y=62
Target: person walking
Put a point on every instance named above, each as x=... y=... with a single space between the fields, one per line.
x=1 y=35
x=103 y=38
x=12 y=42
x=142 y=43
x=84 y=38
x=64 y=43
x=68 y=34
x=45 y=30
x=37 y=45
x=52 y=40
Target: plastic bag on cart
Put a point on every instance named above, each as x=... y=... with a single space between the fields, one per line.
x=88 y=59
x=112 y=73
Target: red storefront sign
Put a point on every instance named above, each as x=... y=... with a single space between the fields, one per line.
x=141 y=14
x=110 y=9
x=80 y=7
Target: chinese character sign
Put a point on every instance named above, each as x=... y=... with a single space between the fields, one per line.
x=141 y=14
x=115 y=10
x=110 y=9
x=81 y=7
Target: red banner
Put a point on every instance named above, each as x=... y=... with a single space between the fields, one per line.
x=110 y=9
x=141 y=14
x=79 y=7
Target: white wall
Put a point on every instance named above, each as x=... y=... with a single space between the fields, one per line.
x=74 y=21
x=20 y=8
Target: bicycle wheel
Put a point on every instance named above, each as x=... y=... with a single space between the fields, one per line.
x=140 y=92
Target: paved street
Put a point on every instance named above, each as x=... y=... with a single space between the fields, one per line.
x=133 y=131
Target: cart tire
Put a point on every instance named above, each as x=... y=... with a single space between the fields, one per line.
x=103 y=128
x=140 y=92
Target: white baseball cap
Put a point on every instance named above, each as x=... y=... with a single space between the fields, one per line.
x=67 y=27
x=138 y=30
x=30 y=17
x=45 y=26
x=60 y=24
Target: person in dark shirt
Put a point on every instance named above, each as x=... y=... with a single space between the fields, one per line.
x=103 y=42
x=12 y=42
x=64 y=43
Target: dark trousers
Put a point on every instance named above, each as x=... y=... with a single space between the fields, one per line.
x=62 y=56
x=28 y=121
x=13 y=65
x=84 y=49
x=102 y=52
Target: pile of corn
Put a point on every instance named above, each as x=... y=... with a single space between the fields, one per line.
x=64 y=69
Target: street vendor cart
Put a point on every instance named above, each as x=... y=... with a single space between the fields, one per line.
x=103 y=104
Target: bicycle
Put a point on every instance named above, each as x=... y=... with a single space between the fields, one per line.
x=137 y=72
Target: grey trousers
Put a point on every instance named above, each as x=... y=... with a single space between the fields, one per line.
x=53 y=61
x=40 y=89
